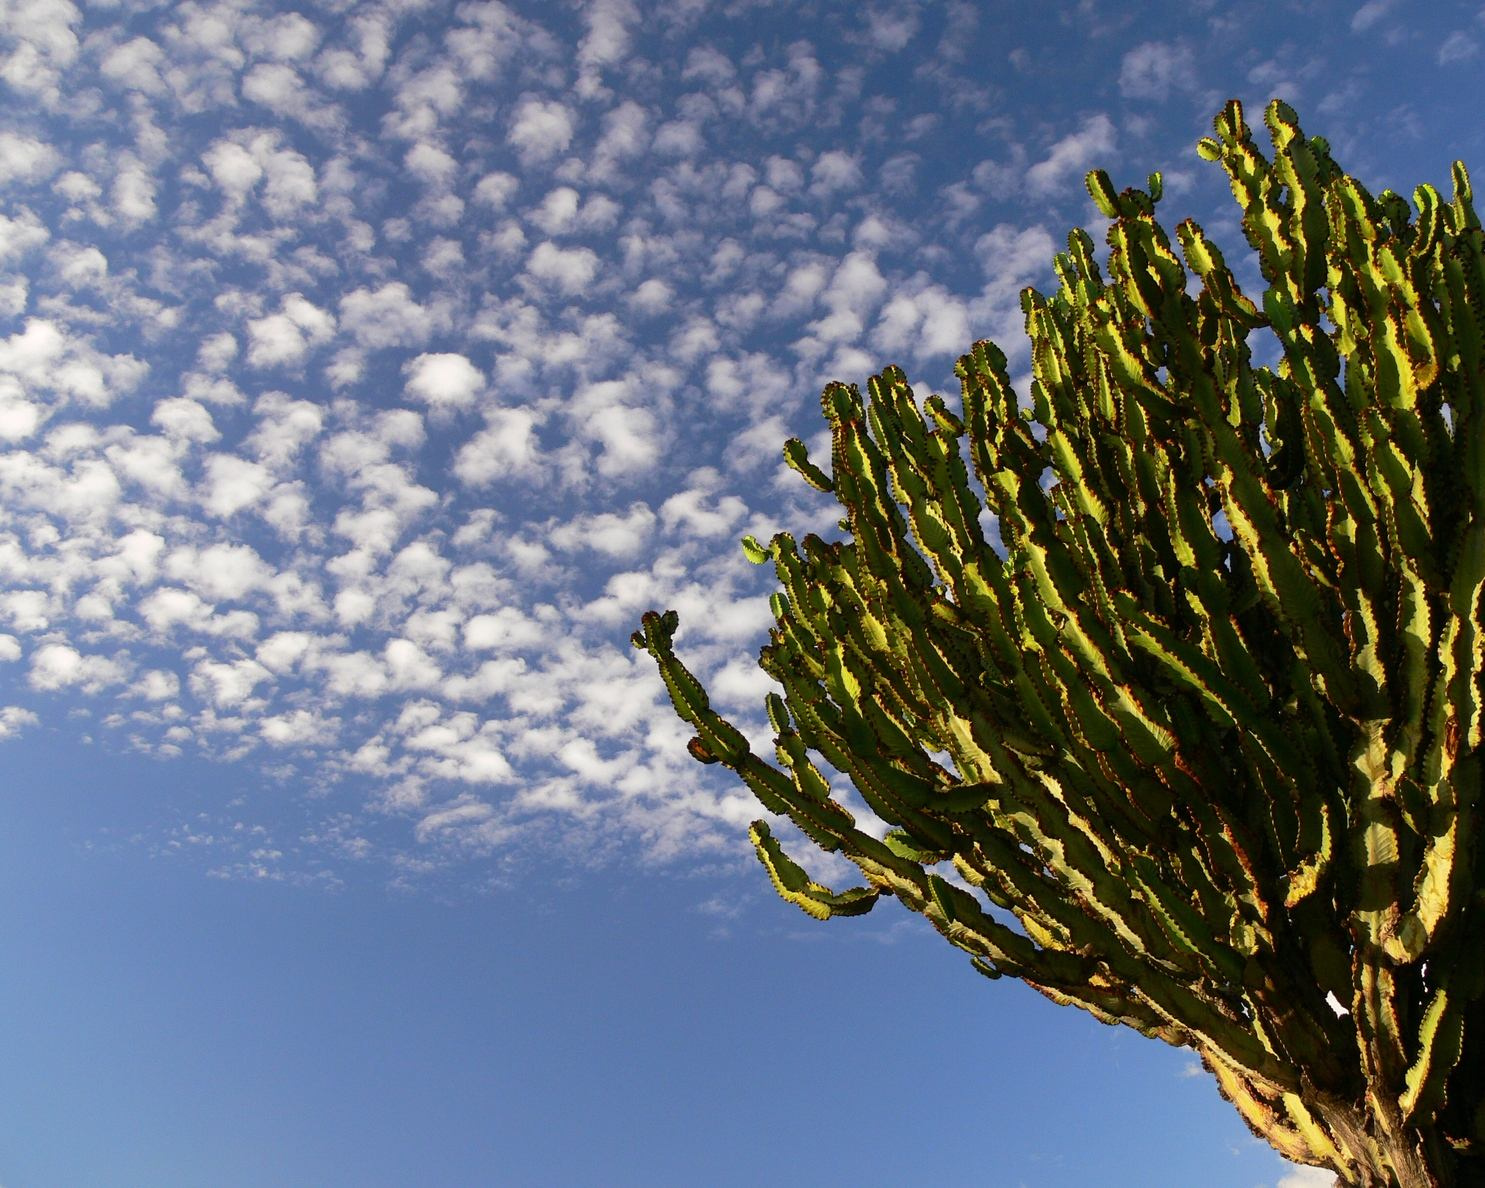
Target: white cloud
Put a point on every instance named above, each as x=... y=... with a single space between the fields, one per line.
x=444 y=382
x=166 y=608
x=891 y=28
x=506 y=448
x=136 y=65
x=14 y=294
x=606 y=41
x=653 y=296
x=608 y=34
x=1153 y=69
x=281 y=89
x=287 y=337
x=285 y=426
x=233 y=484
x=220 y=572
x=705 y=63
x=61 y=666
x=137 y=555
x=183 y=418
x=613 y=533
x=624 y=137
x=1457 y=47
x=354 y=607
x=467 y=820
x=20 y=234
x=356 y=68
x=158 y=684
x=290 y=181
x=679 y=138
x=557 y=212
x=134 y=191
x=696 y=338
x=431 y=164
x=33 y=352
x=609 y=414
x=14 y=719
x=946 y=324
x=569 y=270
x=283 y=650
x=409 y=666
x=79 y=267
x=1308 y=1177
x=857 y=284
x=19 y=418
x=217 y=351
x=495 y=189
x=1014 y=257
x=42 y=45
x=288 y=36
x=505 y=629
x=43 y=357
x=27 y=610
x=1369 y=14
x=930 y=322
x=150 y=462
x=298 y=728
x=1072 y=156
x=699 y=512
x=540 y=129
x=629 y=437
x=227 y=684
x=805 y=282
x=386 y=316
x=741 y=683
x=835 y=171
x=25 y=159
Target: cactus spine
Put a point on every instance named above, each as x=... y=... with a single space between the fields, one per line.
x=1212 y=702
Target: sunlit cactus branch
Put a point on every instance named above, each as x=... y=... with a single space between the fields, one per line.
x=1167 y=681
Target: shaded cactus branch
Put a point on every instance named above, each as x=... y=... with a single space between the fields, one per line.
x=1200 y=733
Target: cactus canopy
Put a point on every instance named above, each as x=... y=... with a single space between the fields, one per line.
x=1181 y=669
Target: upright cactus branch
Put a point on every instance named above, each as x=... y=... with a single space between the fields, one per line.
x=1207 y=718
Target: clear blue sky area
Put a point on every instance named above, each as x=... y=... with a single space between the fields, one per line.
x=164 y=1028
x=366 y=370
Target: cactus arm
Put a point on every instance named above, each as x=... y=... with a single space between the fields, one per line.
x=793 y=885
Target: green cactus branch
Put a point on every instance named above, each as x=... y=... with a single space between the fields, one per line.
x=1200 y=732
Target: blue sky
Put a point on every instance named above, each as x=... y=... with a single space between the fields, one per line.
x=366 y=370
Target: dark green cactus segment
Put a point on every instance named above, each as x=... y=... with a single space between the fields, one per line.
x=798 y=460
x=790 y=881
x=1198 y=725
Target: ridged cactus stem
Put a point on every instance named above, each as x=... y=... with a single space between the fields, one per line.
x=1207 y=717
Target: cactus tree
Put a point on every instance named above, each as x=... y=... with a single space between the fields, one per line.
x=1169 y=685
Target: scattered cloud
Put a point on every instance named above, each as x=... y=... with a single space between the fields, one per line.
x=288 y=336
x=1155 y=69
x=1457 y=47
x=1369 y=14
x=367 y=370
x=1068 y=158
x=445 y=382
x=14 y=719
x=1308 y=1177
x=540 y=128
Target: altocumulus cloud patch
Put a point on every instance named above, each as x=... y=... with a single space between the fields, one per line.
x=365 y=372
